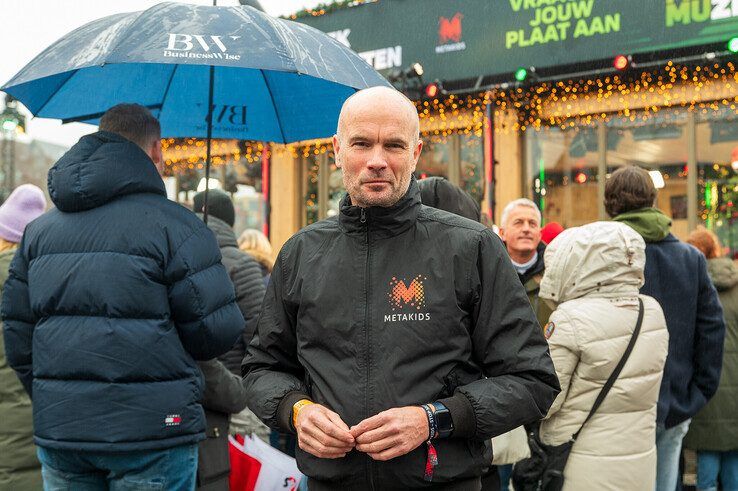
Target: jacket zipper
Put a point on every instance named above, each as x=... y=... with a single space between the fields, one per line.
x=363 y=219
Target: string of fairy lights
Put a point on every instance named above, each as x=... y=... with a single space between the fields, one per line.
x=637 y=97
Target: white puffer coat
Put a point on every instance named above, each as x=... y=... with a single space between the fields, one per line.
x=594 y=273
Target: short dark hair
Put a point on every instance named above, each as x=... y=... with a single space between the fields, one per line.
x=629 y=188
x=132 y=121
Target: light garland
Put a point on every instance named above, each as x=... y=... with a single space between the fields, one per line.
x=325 y=8
x=563 y=104
x=188 y=154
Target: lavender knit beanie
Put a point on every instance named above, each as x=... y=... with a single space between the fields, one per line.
x=26 y=203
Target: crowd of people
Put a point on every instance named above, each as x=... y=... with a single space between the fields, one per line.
x=399 y=345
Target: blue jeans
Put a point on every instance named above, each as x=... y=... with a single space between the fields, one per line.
x=505 y=474
x=168 y=469
x=668 y=450
x=712 y=464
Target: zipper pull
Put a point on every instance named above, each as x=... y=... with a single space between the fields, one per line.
x=363 y=215
x=431 y=462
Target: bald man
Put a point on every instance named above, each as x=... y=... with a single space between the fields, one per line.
x=394 y=339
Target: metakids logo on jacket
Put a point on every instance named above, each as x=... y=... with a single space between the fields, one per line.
x=408 y=297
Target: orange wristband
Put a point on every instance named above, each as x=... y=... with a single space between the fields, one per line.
x=296 y=409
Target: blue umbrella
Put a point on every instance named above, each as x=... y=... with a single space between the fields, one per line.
x=263 y=78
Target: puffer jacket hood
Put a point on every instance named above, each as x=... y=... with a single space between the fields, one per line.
x=723 y=273
x=603 y=259
x=99 y=168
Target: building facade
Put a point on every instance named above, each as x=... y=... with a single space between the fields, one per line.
x=530 y=98
x=556 y=135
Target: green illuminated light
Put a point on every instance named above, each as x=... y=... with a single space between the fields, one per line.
x=542 y=177
x=521 y=74
x=733 y=45
x=9 y=125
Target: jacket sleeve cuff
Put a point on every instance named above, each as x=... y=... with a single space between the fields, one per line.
x=284 y=409
x=462 y=415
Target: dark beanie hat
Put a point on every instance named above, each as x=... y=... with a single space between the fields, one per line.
x=219 y=205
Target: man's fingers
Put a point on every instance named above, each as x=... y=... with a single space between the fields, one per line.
x=338 y=431
x=388 y=454
x=317 y=445
x=368 y=424
x=311 y=446
x=332 y=432
x=379 y=446
x=337 y=420
x=316 y=433
x=324 y=431
x=376 y=434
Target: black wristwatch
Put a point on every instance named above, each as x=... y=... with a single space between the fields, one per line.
x=444 y=423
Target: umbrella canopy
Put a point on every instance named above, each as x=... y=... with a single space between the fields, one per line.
x=273 y=80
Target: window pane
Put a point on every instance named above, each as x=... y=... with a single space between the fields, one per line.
x=658 y=144
x=472 y=165
x=244 y=181
x=435 y=157
x=562 y=165
x=311 y=165
x=335 y=186
x=717 y=182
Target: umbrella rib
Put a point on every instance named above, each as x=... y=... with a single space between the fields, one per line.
x=166 y=91
x=85 y=117
x=274 y=105
x=71 y=74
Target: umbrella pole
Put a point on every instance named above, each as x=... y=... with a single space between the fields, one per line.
x=210 y=134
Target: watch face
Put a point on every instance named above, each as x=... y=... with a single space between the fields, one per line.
x=444 y=421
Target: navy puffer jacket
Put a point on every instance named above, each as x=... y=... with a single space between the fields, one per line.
x=109 y=298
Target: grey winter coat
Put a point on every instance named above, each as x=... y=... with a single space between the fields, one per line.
x=245 y=274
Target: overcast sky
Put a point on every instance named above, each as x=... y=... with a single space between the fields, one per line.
x=29 y=26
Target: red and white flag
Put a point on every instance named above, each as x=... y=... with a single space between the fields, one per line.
x=256 y=466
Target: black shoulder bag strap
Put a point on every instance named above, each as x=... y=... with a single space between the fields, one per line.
x=615 y=373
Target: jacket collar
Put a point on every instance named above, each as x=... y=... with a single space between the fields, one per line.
x=223 y=232
x=381 y=222
x=537 y=268
x=651 y=223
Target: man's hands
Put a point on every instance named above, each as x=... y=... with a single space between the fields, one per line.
x=322 y=433
x=387 y=435
x=392 y=433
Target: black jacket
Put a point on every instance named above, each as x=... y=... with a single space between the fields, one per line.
x=537 y=269
x=248 y=282
x=389 y=307
x=440 y=193
x=224 y=395
x=110 y=297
